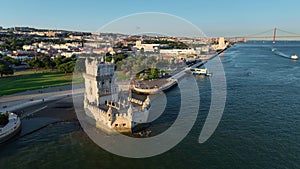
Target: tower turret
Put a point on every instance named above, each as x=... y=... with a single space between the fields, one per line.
x=110 y=115
x=130 y=111
x=146 y=103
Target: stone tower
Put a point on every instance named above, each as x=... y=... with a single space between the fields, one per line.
x=101 y=100
x=100 y=82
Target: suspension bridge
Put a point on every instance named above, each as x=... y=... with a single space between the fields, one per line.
x=271 y=34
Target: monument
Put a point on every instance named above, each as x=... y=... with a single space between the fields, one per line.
x=113 y=110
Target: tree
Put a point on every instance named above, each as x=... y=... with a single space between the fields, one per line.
x=154 y=73
x=66 y=60
x=48 y=63
x=4 y=119
x=5 y=70
x=108 y=58
x=61 y=60
x=14 y=43
x=74 y=56
x=67 y=67
x=58 y=61
x=36 y=64
x=4 y=46
x=12 y=60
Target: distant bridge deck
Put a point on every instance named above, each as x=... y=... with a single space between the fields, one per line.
x=265 y=37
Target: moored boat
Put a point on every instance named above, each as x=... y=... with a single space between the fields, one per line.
x=199 y=71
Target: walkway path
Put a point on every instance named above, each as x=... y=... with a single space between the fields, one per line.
x=33 y=97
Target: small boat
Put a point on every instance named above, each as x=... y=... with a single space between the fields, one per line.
x=294 y=57
x=197 y=71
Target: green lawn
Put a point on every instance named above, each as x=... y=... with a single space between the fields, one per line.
x=31 y=80
x=31 y=71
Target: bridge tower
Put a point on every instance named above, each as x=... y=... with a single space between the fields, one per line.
x=274 y=37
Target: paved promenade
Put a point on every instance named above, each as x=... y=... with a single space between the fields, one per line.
x=33 y=97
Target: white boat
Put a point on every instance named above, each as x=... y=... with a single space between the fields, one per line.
x=294 y=57
x=198 y=71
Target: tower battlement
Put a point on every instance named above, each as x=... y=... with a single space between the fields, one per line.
x=96 y=67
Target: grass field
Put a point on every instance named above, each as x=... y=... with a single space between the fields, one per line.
x=31 y=71
x=24 y=81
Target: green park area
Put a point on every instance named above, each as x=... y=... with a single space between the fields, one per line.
x=45 y=72
x=31 y=80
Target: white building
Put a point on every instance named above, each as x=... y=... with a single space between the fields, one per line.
x=29 y=47
x=147 y=47
x=178 y=52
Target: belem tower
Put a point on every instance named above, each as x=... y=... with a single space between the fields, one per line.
x=112 y=109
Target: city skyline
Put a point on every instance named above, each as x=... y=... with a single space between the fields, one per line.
x=217 y=18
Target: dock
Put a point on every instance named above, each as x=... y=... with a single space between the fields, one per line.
x=159 y=85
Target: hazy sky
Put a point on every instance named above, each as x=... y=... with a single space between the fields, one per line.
x=214 y=17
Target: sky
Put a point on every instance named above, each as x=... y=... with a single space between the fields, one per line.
x=213 y=17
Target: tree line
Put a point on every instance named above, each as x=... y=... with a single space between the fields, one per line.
x=17 y=43
x=61 y=64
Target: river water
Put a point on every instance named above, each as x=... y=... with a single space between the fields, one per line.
x=259 y=128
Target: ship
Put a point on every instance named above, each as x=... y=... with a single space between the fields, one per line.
x=294 y=57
